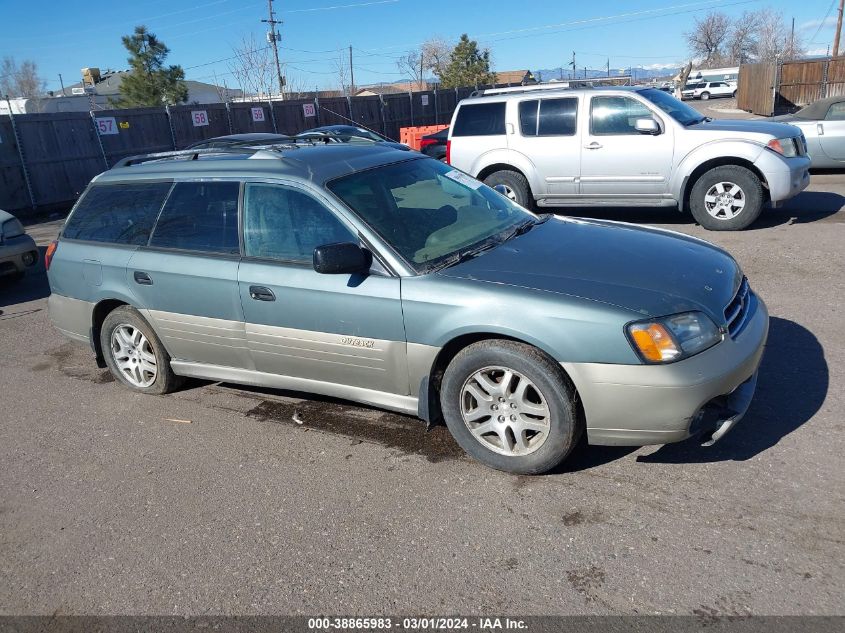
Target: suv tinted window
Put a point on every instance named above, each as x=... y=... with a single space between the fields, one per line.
x=285 y=223
x=836 y=112
x=616 y=115
x=480 y=119
x=557 y=117
x=118 y=214
x=200 y=216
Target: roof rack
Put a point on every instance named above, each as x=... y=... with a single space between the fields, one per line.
x=189 y=154
x=563 y=85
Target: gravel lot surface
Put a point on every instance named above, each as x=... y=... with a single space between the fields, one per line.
x=214 y=501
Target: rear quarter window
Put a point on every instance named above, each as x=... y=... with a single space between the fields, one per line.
x=121 y=213
x=480 y=119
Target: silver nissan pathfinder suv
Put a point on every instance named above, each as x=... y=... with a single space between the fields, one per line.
x=392 y=279
x=555 y=147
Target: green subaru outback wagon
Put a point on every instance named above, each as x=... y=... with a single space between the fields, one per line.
x=391 y=279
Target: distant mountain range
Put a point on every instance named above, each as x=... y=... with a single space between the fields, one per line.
x=547 y=74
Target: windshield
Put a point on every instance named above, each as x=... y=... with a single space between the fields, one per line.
x=678 y=110
x=428 y=211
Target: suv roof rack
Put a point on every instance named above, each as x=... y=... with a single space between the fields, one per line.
x=189 y=154
x=563 y=85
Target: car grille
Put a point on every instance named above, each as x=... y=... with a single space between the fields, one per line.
x=737 y=310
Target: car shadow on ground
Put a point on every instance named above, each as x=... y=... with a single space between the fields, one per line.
x=791 y=388
x=32 y=287
x=808 y=206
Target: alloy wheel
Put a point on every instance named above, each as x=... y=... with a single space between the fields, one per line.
x=724 y=200
x=133 y=356
x=505 y=411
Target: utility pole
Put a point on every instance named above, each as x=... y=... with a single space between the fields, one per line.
x=572 y=63
x=608 y=66
x=351 y=74
x=422 y=71
x=273 y=37
x=838 y=29
x=62 y=83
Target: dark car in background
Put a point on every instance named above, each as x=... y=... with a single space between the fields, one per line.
x=434 y=145
x=346 y=130
x=237 y=140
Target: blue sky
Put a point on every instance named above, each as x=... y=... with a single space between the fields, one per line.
x=532 y=34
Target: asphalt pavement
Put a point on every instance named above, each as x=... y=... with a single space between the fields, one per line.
x=215 y=500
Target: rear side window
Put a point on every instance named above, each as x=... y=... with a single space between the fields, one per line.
x=200 y=216
x=121 y=213
x=836 y=112
x=480 y=119
x=548 y=117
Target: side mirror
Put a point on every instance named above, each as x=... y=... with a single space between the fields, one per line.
x=647 y=126
x=341 y=258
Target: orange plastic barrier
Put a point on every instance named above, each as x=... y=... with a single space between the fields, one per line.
x=411 y=135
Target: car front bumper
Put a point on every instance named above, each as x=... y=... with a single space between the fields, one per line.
x=707 y=394
x=17 y=254
x=786 y=177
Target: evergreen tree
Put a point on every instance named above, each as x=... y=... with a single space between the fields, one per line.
x=150 y=83
x=468 y=66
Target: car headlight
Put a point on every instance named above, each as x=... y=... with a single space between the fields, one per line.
x=783 y=146
x=673 y=337
x=11 y=228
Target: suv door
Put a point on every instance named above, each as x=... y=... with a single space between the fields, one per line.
x=548 y=136
x=619 y=161
x=341 y=329
x=186 y=278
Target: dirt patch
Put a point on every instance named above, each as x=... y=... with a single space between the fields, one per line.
x=587 y=582
x=579 y=517
x=64 y=359
x=403 y=433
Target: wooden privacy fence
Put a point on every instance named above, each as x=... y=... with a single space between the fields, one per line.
x=48 y=159
x=768 y=88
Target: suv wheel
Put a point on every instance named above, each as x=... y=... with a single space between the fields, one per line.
x=510 y=407
x=733 y=94
x=726 y=198
x=134 y=354
x=704 y=96
x=516 y=186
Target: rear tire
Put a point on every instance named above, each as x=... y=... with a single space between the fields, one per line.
x=510 y=407
x=704 y=96
x=518 y=188
x=134 y=354
x=726 y=198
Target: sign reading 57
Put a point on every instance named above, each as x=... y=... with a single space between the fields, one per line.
x=106 y=125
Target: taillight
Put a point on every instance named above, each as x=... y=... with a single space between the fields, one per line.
x=449 y=152
x=425 y=142
x=48 y=256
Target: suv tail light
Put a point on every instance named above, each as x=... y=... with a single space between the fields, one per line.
x=448 y=152
x=425 y=142
x=48 y=256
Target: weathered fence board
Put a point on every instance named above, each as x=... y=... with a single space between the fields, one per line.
x=138 y=131
x=366 y=111
x=250 y=117
x=290 y=115
x=13 y=191
x=191 y=125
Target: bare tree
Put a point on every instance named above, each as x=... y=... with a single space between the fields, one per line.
x=296 y=87
x=707 y=38
x=742 y=38
x=20 y=80
x=341 y=68
x=774 y=39
x=436 y=53
x=253 y=67
x=413 y=65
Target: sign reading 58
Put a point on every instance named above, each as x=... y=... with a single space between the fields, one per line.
x=199 y=117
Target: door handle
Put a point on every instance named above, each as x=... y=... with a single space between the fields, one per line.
x=260 y=293
x=820 y=129
x=593 y=145
x=142 y=278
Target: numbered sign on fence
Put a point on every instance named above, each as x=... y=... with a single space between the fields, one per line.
x=424 y=99
x=258 y=114
x=199 y=117
x=308 y=109
x=106 y=125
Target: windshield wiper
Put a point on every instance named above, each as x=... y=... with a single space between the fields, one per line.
x=525 y=227
x=464 y=256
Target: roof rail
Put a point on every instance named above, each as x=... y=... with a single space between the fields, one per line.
x=190 y=154
x=563 y=85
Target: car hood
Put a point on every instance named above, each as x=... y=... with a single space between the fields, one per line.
x=648 y=271
x=777 y=130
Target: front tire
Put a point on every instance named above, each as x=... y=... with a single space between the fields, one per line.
x=726 y=198
x=510 y=407
x=134 y=354
x=516 y=184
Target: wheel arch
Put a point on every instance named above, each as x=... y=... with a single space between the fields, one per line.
x=718 y=161
x=429 y=392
